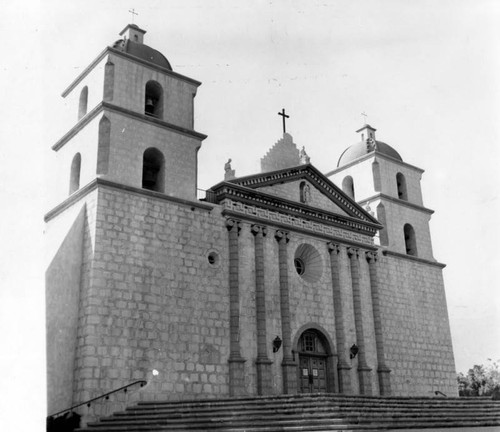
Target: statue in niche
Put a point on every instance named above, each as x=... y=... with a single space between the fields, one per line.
x=305 y=193
x=304 y=158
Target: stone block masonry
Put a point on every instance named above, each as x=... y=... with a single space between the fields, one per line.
x=152 y=300
x=416 y=328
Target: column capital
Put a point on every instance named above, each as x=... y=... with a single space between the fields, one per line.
x=371 y=256
x=282 y=236
x=333 y=247
x=256 y=229
x=353 y=252
x=231 y=223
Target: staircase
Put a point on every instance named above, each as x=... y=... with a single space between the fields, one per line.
x=316 y=412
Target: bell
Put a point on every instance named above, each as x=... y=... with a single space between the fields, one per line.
x=150 y=108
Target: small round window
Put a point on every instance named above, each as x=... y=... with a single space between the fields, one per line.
x=213 y=258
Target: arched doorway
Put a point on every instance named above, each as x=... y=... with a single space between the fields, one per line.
x=313 y=351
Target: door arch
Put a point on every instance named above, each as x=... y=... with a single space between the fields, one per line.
x=316 y=368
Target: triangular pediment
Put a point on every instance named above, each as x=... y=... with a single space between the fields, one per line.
x=278 y=192
x=306 y=185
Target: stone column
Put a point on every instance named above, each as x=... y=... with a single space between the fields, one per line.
x=344 y=368
x=382 y=370
x=288 y=366
x=264 y=376
x=236 y=361
x=364 y=371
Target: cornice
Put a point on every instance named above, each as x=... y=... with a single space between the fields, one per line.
x=100 y=182
x=128 y=113
x=398 y=255
x=85 y=72
x=309 y=172
x=288 y=228
x=397 y=201
x=110 y=50
x=374 y=154
x=266 y=201
x=85 y=120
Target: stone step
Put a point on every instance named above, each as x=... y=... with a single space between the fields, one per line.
x=317 y=412
x=318 y=396
x=322 y=405
x=266 y=411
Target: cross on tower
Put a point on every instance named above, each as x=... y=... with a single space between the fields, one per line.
x=133 y=12
x=365 y=116
x=282 y=114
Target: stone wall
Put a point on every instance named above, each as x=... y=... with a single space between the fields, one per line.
x=130 y=80
x=66 y=236
x=416 y=328
x=153 y=301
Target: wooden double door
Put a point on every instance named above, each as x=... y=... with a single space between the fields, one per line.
x=313 y=377
x=313 y=364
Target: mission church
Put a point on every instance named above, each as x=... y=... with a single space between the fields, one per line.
x=286 y=281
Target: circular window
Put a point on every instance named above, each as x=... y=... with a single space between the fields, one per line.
x=308 y=263
x=213 y=258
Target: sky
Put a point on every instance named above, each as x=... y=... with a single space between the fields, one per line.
x=425 y=72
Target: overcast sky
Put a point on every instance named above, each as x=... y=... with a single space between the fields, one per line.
x=425 y=72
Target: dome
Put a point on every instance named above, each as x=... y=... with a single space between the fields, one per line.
x=143 y=52
x=364 y=147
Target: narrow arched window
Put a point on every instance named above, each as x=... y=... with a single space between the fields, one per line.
x=82 y=106
x=74 y=178
x=153 y=102
x=401 y=183
x=410 y=240
x=153 y=170
x=348 y=186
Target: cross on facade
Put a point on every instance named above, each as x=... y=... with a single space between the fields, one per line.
x=365 y=116
x=133 y=12
x=282 y=114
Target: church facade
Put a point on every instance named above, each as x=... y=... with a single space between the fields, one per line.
x=286 y=281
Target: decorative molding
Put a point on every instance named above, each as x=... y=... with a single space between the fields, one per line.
x=342 y=236
x=84 y=121
x=128 y=113
x=413 y=258
x=311 y=174
x=397 y=201
x=282 y=236
x=241 y=199
x=110 y=184
x=371 y=256
x=110 y=50
x=231 y=223
x=370 y=155
x=333 y=247
x=353 y=252
x=256 y=229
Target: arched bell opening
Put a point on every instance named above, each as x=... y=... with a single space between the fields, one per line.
x=153 y=170
x=153 y=102
x=82 y=103
x=348 y=186
x=410 y=240
x=401 y=185
x=317 y=363
x=74 y=177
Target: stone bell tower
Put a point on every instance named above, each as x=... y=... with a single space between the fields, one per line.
x=131 y=139
x=412 y=294
x=374 y=174
x=133 y=121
